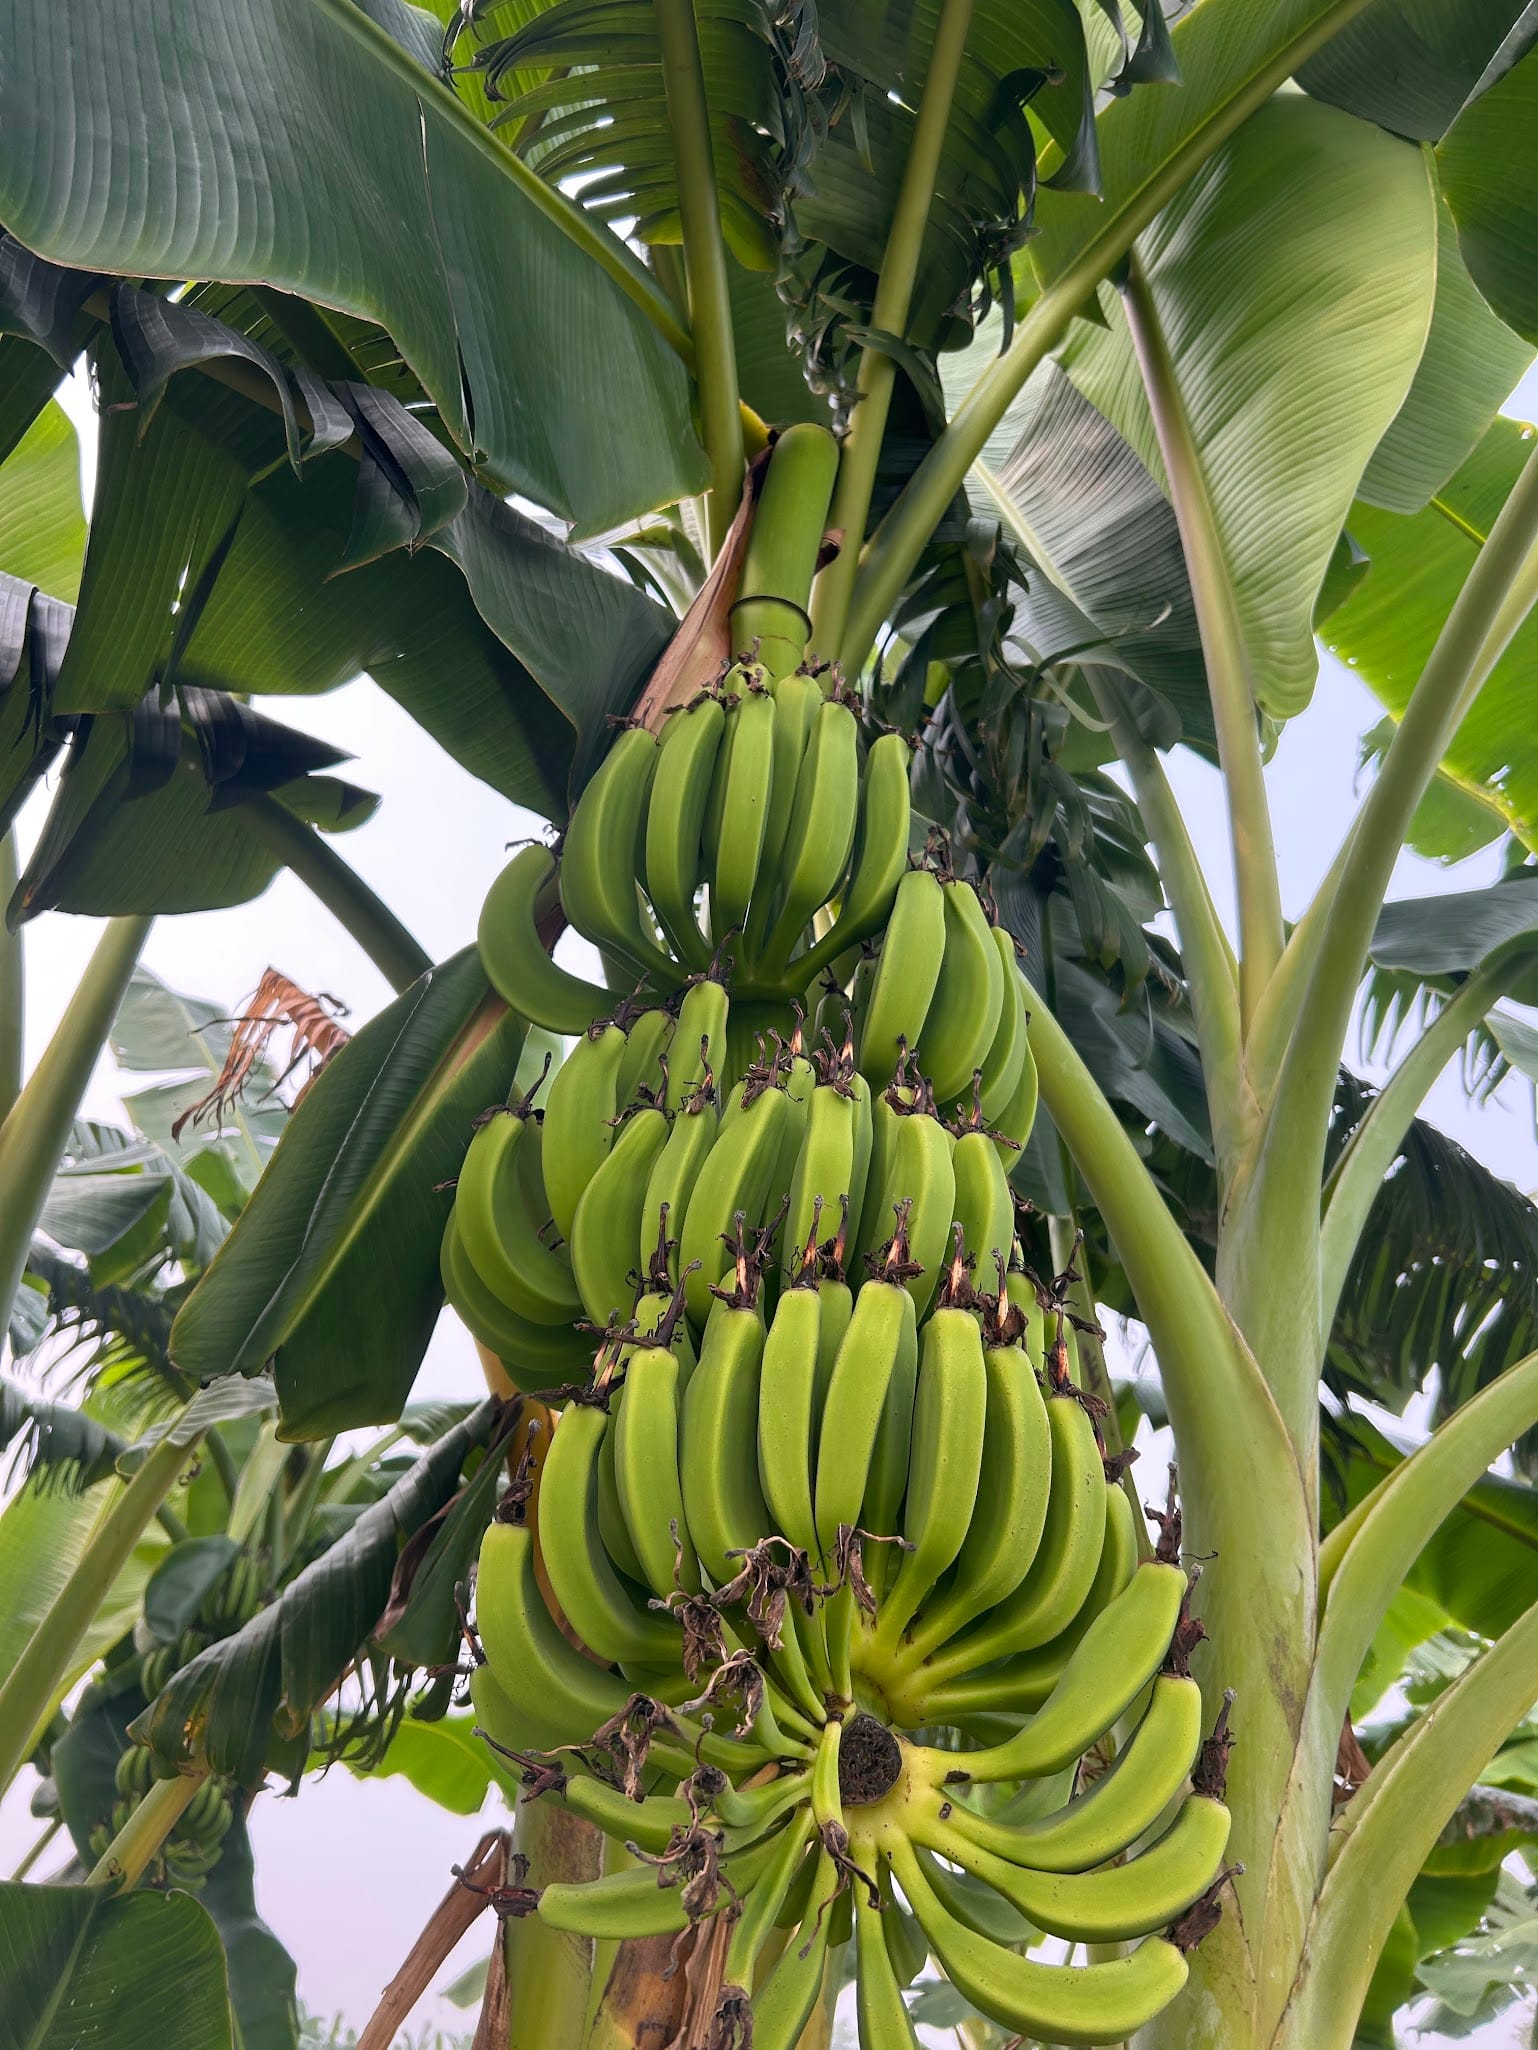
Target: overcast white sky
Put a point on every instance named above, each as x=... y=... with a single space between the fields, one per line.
x=349 y=1872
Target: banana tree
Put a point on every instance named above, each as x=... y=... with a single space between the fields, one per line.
x=1156 y=353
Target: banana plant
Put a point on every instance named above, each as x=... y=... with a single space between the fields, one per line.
x=1157 y=352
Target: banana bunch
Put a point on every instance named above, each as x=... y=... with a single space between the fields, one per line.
x=635 y=1175
x=854 y=1600
x=198 y=1841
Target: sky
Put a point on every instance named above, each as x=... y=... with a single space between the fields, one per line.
x=349 y=1872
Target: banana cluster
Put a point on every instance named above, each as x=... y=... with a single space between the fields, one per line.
x=197 y=1842
x=855 y=1597
x=649 y=1159
x=753 y=841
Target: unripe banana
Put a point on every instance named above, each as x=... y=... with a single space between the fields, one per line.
x=675 y=823
x=550 y=1687
x=736 y=1178
x=637 y=1902
x=514 y=957
x=646 y=1468
x=671 y=1184
x=498 y=1227
x=1118 y=1807
x=822 y=829
x=881 y=2014
x=783 y=2006
x=1116 y=1903
x=645 y=1069
x=604 y=852
x=787 y=1392
x=580 y=1105
x=648 y=1823
x=536 y=1356
x=591 y=1596
x=906 y=975
x=797 y=701
x=824 y=1177
x=920 y=1175
x=723 y=1500
x=745 y=796
x=879 y=860
x=754 y=1921
x=982 y=1205
x=612 y=1527
x=607 y=1227
x=881 y=1330
x=1067 y=2004
x=961 y=1021
x=1005 y=1060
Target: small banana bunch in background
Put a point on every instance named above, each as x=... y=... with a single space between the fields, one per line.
x=819 y=1596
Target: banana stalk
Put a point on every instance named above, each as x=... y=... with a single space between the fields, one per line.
x=548 y=1970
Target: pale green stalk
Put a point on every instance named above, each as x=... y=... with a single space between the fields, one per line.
x=34 y=1136
x=1390 y=1829
x=13 y=985
x=710 y=304
x=122 y=1864
x=1230 y=684
x=889 y=315
x=1354 y=1183
x=31 y=1857
x=341 y=889
x=1212 y=974
x=29 y=1688
x=548 y=1970
x=903 y=535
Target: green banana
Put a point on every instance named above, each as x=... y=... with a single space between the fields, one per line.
x=944 y=1460
x=784 y=2003
x=755 y=1918
x=580 y=1105
x=649 y=1823
x=698 y=1052
x=675 y=823
x=642 y=1901
x=1116 y=1903
x=881 y=1329
x=1013 y=1123
x=498 y=1227
x=822 y=829
x=550 y=1687
x=670 y=1186
x=612 y=1527
x=746 y=789
x=604 y=851
x=735 y=1179
x=608 y=1225
x=644 y=1071
x=514 y=957
x=906 y=975
x=825 y=1174
x=593 y=1599
x=1013 y=1487
x=1118 y=1807
x=536 y=1356
x=982 y=1204
x=723 y=1501
x=879 y=859
x=1067 y=2004
x=797 y=701
x=1005 y=1060
x=881 y=2014
x=920 y=1174
x=645 y=1431
x=961 y=1021
x=787 y=1392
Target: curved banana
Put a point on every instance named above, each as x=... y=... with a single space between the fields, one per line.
x=644 y=1070
x=822 y=829
x=1116 y=1903
x=920 y=1174
x=736 y=1178
x=961 y=1021
x=592 y=1597
x=649 y=1823
x=783 y=2005
x=1067 y=2004
x=498 y=1227
x=723 y=1500
x=675 y=823
x=698 y=1051
x=878 y=862
x=982 y=1204
x=603 y=853
x=1014 y=1122
x=1004 y=1062
x=746 y=788
x=754 y=1921
x=608 y=1225
x=645 y=1432
x=514 y=957
x=1118 y=1807
x=549 y=1686
x=824 y=1177
x=579 y=1117
x=670 y=1186
x=797 y=700
x=612 y=1527
x=536 y=1356
x=906 y=975
x=881 y=2014
x=787 y=1393
x=881 y=1329
x=642 y=1902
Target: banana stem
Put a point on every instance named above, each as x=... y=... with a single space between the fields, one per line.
x=29 y=1689
x=13 y=987
x=342 y=890
x=889 y=316
x=35 y=1133
x=710 y=303
x=122 y=1863
x=38 y=1848
x=549 y=1970
x=782 y=548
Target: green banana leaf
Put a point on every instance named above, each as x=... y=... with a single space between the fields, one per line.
x=1411 y=67
x=331 y=1273
x=1386 y=629
x=27 y=381
x=143 y=1971
x=1442 y=939
x=348 y=131
x=246 y=1702
x=1488 y=163
x=42 y=525
x=1293 y=278
x=447 y=1762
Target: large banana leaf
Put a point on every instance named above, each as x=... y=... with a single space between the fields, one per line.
x=142 y=1971
x=42 y=526
x=1489 y=168
x=1387 y=628
x=1293 y=278
x=363 y=184
x=1410 y=65
x=332 y=1272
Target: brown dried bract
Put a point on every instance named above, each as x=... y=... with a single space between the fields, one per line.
x=1203 y=1916
x=317 y=1034
x=1210 y=1774
x=1190 y=1631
